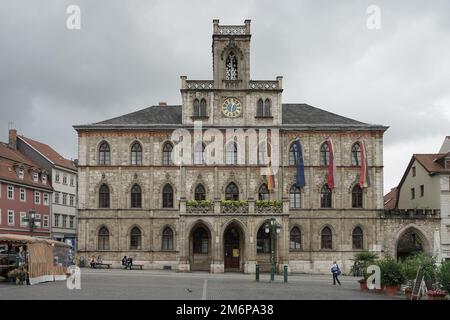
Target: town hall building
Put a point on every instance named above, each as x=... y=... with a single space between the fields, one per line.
x=136 y=198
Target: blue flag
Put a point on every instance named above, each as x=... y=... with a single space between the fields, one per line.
x=300 y=181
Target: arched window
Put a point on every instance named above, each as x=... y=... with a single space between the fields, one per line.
x=263 y=192
x=103 y=201
x=294 y=197
x=264 y=153
x=295 y=239
x=357 y=199
x=232 y=192
x=260 y=108
x=167 y=154
x=200 y=193
x=231 y=67
x=104 y=154
x=325 y=197
x=103 y=239
x=167 y=196
x=357 y=238
x=136 y=154
x=266 y=112
x=293 y=154
x=203 y=108
x=196 y=108
x=262 y=240
x=324 y=154
x=135 y=239
x=136 y=196
x=167 y=239
x=356 y=154
x=201 y=241
x=326 y=238
x=199 y=153
x=231 y=153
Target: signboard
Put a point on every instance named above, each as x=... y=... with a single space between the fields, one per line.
x=235 y=253
x=419 y=284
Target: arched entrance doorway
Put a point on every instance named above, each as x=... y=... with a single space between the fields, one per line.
x=200 y=248
x=233 y=247
x=263 y=248
x=411 y=242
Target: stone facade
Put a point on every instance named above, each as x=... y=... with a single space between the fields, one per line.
x=225 y=229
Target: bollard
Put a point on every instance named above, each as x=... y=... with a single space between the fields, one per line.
x=272 y=273
x=257 y=272
x=285 y=274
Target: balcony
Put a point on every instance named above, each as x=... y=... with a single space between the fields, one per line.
x=268 y=206
x=218 y=207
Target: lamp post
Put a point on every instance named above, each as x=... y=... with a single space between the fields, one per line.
x=31 y=219
x=273 y=228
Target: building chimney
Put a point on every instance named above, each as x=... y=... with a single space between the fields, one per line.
x=162 y=104
x=13 y=139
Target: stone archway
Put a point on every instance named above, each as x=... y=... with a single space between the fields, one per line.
x=233 y=247
x=410 y=242
x=200 y=248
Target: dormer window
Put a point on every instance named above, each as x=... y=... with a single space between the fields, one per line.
x=44 y=179
x=21 y=173
x=35 y=176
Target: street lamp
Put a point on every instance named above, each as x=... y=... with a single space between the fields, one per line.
x=273 y=228
x=31 y=219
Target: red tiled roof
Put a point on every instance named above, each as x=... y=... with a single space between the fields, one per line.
x=430 y=162
x=50 y=153
x=9 y=158
x=390 y=199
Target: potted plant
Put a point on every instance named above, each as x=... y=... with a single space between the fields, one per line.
x=443 y=276
x=391 y=275
x=408 y=293
x=361 y=261
x=436 y=294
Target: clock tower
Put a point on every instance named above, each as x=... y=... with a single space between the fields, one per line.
x=231 y=98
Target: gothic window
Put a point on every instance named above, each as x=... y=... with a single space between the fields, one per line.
x=103 y=201
x=167 y=154
x=232 y=192
x=260 y=108
x=294 y=197
x=266 y=111
x=357 y=201
x=325 y=197
x=199 y=153
x=357 y=238
x=167 y=196
x=231 y=67
x=324 y=154
x=136 y=196
x=231 y=153
x=262 y=241
x=201 y=241
x=293 y=154
x=136 y=154
x=356 y=154
x=196 y=108
x=200 y=193
x=167 y=239
x=203 y=108
x=295 y=242
x=326 y=239
x=135 y=239
x=263 y=192
x=104 y=154
x=103 y=239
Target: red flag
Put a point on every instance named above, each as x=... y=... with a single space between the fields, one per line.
x=331 y=166
x=363 y=183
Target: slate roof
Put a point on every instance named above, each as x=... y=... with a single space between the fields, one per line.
x=294 y=116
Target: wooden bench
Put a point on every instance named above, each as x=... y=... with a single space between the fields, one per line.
x=137 y=266
x=100 y=265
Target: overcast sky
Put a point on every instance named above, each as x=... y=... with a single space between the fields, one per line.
x=130 y=54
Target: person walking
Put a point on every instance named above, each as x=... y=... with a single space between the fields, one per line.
x=336 y=272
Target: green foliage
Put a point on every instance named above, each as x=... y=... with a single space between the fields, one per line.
x=269 y=203
x=361 y=261
x=443 y=276
x=391 y=272
x=199 y=203
x=235 y=203
x=411 y=264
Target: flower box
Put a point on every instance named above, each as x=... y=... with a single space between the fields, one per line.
x=436 y=294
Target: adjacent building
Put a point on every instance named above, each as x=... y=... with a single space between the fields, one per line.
x=24 y=188
x=63 y=178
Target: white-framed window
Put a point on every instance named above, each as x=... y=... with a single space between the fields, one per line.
x=35 y=176
x=44 y=179
x=64 y=179
x=46 y=199
x=64 y=221
x=23 y=195
x=72 y=181
x=10 y=192
x=38 y=223
x=72 y=200
x=56 y=222
x=71 y=222
x=57 y=197
x=64 y=199
x=37 y=197
x=45 y=221
x=57 y=177
x=11 y=217
x=21 y=173
x=23 y=219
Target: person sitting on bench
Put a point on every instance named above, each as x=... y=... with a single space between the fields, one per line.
x=125 y=262
x=129 y=263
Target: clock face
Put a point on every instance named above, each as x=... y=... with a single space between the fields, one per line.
x=231 y=107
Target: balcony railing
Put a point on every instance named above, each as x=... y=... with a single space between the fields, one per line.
x=205 y=206
x=412 y=213
x=267 y=206
x=233 y=207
